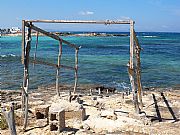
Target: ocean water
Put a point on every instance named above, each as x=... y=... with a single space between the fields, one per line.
x=102 y=60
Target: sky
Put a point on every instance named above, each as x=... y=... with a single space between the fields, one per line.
x=149 y=15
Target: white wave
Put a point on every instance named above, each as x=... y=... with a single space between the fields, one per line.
x=3 y=56
x=11 y=55
x=149 y=36
x=122 y=85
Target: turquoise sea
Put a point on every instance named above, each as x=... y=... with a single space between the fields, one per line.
x=102 y=60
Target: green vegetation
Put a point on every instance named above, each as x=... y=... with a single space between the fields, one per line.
x=3 y=123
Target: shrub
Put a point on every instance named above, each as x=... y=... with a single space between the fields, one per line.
x=3 y=123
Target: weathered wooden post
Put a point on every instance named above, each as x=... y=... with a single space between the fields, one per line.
x=131 y=67
x=26 y=75
x=58 y=67
x=76 y=70
x=23 y=41
x=138 y=69
x=22 y=59
x=37 y=40
x=9 y=116
x=99 y=91
x=90 y=92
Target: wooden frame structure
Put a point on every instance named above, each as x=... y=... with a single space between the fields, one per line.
x=26 y=46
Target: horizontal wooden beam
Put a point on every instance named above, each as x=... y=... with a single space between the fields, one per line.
x=81 y=21
x=67 y=67
x=44 y=63
x=49 y=34
x=51 y=64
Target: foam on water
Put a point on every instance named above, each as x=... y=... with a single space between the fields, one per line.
x=8 y=55
x=149 y=36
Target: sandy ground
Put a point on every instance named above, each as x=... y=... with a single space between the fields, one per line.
x=107 y=113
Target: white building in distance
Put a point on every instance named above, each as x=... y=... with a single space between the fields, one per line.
x=15 y=30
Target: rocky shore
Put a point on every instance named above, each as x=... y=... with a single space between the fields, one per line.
x=84 y=34
x=105 y=113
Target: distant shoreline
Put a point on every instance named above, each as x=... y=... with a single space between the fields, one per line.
x=84 y=34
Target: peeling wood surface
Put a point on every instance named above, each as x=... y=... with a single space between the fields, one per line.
x=57 y=71
x=26 y=78
x=138 y=69
x=26 y=44
x=81 y=21
x=131 y=68
x=56 y=37
x=23 y=42
x=51 y=64
x=131 y=45
x=76 y=70
x=9 y=116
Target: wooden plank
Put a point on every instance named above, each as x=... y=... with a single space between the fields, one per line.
x=51 y=64
x=81 y=21
x=26 y=79
x=57 y=72
x=60 y=53
x=131 y=68
x=43 y=63
x=138 y=69
x=76 y=70
x=23 y=42
x=9 y=116
x=131 y=44
x=43 y=31
x=36 y=45
x=66 y=67
x=57 y=82
x=51 y=35
x=135 y=98
x=69 y=44
x=22 y=60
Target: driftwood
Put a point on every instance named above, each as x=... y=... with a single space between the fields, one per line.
x=81 y=21
x=37 y=39
x=134 y=91
x=23 y=41
x=76 y=70
x=26 y=46
x=9 y=116
x=57 y=71
x=51 y=64
x=138 y=69
x=131 y=68
x=26 y=78
x=56 y=37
